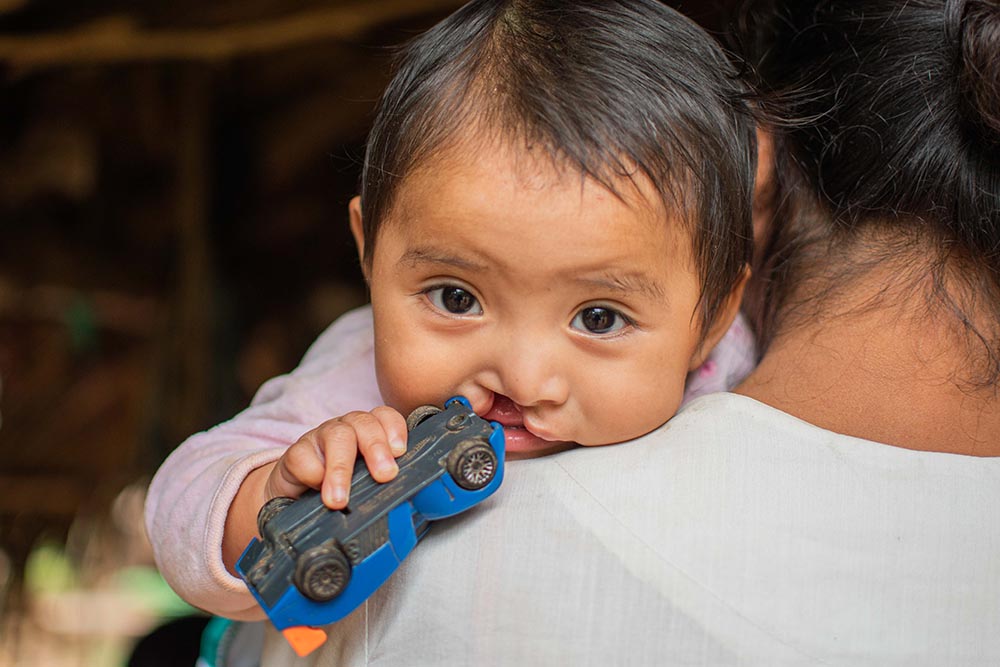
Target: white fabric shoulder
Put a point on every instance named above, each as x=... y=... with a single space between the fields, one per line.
x=734 y=534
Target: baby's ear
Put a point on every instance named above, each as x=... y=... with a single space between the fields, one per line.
x=358 y=230
x=723 y=320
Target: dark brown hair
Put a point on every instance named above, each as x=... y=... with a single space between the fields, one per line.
x=609 y=87
x=886 y=118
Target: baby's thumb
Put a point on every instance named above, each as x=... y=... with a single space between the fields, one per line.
x=283 y=483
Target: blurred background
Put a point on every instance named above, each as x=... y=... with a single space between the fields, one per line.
x=173 y=188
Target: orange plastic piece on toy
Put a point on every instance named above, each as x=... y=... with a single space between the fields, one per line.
x=304 y=640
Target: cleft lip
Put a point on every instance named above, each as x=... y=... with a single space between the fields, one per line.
x=505 y=411
x=511 y=416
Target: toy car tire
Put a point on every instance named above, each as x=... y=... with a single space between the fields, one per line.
x=322 y=573
x=419 y=414
x=270 y=510
x=472 y=465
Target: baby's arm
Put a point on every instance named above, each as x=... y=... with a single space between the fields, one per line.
x=191 y=495
x=322 y=459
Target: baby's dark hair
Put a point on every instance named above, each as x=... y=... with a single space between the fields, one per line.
x=609 y=87
x=886 y=117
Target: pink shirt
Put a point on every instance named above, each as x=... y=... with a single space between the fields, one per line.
x=190 y=495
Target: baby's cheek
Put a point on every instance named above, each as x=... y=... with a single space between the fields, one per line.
x=406 y=384
x=394 y=382
x=624 y=411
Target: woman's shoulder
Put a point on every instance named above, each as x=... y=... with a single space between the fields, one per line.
x=760 y=507
x=732 y=417
x=728 y=418
x=727 y=436
x=708 y=539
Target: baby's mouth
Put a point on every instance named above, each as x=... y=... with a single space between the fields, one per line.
x=505 y=411
x=521 y=439
x=510 y=415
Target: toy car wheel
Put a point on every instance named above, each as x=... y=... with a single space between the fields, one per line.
x=472 y=465
x=270 y=510
x=322 y=573
x=420 y=414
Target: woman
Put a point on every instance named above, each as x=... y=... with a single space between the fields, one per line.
x=841 y=507
x=883 y=274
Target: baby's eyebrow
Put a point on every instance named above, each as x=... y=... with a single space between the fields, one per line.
x=422 y=255
x=624 y=283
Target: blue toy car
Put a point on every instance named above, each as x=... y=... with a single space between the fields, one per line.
x=313 y=565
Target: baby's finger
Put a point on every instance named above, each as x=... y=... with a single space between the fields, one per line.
x=374 y=445
x=394 y=425
x=300 y=467
x=338 y=443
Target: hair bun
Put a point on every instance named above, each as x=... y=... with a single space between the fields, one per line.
x=980 y=64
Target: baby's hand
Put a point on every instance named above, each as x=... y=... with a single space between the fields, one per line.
x=324 y=457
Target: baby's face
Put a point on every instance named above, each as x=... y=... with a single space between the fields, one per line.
x=556 y=308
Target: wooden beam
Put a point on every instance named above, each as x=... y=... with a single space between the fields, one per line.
x=118 y=39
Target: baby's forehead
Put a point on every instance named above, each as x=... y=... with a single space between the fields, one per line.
x=527 y=223
x=519 y=189
x=533 y=165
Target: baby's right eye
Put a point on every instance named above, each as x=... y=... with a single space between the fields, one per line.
x=454 y=300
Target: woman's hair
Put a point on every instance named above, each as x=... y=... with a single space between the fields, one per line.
x=886 y=120
x=611 y=88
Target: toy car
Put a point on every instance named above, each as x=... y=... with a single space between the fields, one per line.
x=313 y=565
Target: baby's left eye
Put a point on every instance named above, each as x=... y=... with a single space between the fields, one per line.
x=599 y=320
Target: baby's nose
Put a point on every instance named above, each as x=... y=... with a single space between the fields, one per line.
x=532 y=373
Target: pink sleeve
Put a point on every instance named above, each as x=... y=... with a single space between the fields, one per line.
x=730 y=361
x=190 y=494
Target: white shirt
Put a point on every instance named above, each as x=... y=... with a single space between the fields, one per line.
x=733 y=535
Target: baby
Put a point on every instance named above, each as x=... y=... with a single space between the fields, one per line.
x=554 y=222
